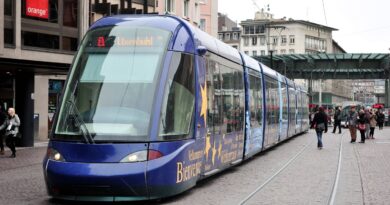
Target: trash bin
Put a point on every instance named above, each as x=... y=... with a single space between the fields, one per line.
x=36 y=125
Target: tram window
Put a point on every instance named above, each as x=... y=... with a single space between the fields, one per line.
x=179 y=100
x=259 y=105
x=255 y=101
x=239 y=102
x=227 y=81
x=214 y=105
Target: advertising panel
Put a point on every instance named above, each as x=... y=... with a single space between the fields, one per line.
x=37 y=8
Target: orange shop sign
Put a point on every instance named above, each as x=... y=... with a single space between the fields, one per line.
x=37 y=8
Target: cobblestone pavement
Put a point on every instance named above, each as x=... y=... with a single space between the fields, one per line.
x=309 y=179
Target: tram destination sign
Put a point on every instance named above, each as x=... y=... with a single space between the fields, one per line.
x=37 y=8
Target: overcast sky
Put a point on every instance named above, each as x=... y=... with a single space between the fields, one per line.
x=363 y=26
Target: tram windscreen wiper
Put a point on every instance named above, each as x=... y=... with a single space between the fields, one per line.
x=80 y=123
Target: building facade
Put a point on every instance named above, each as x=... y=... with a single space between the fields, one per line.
x=265 y=35
x=201 y=13
x=228 y=31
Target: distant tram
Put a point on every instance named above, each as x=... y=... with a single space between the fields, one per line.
x=152 y=105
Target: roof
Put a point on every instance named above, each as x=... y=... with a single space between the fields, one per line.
x=281 y=21
x=331 y=65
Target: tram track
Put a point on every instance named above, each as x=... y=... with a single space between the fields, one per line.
x=333 y=192
x=259 y=188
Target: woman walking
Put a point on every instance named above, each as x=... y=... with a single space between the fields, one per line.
x=362 y=121
x=320 y=123
x=372 y=125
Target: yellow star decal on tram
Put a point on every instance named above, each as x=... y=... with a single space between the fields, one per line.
x=203 y=111
x=207 y=146
x=214 y=151
x=220 y=149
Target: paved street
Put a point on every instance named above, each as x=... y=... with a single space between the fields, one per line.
x=295 y=172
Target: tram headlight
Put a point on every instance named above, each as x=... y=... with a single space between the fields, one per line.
x=54 y=155
x=141 y=156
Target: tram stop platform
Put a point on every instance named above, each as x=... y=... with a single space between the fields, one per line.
x=340 y=173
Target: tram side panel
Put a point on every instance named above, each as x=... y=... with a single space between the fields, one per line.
x=224 y=143
x=272 y=111
x=254 y=138
x=292 y=110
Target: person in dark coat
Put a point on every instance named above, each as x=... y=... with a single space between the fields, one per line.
x=320 y=123
x=362 y=121
x=3 y=117
x=337 y=120
x=380 y=119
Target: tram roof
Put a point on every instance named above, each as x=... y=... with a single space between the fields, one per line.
x=171 y=23
x=268 y=71
x=250 y=62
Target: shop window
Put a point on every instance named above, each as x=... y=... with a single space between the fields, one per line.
x=8 y=36
x=69 y=44
x=70 y=13
x=40 y=40
x=55 y=89
x=8 y=7
x=39 y=10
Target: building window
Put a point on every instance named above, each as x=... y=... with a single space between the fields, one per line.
x=40 y=40
x=69 y=44
x=8 y=36
x=275 y=40
x=284 y=40
x=48 y=14
x=202 y=24
x=170 y=6
x=246 y=29
x=262 y=40
x=246 y=52
x=283 y=51
x=291 y=51
x=262 y=52
x=292 y=39
x=220 y=36
x=260 y=29
x=236 y=47
x=227 y=37
x=235 y=36
x=254 y=53
x=246 y=41
x=8 y=7
x=275 y=52
x=185 y=8
x=254 y=41
x=70 y=13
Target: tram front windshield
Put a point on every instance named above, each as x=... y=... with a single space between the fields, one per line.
x=111 y=87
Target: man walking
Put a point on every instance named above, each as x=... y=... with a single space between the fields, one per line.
x=352 y=120
x=337 y=120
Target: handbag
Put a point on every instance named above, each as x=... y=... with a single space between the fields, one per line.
x=320 y=127
x=362 y=126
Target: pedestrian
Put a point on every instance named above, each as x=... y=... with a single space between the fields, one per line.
x=380 y=119
x=320 y=124
x=337 y=120
x=367 y=117
x=11 y=126
x=362 y=123
x=373 y=123
x=3 y=116
x=352 y=120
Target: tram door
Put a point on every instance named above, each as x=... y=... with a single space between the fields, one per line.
x=283 y=115
x=214 y=114
x=6 y=92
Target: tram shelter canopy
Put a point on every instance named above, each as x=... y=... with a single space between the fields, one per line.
x=330 y=66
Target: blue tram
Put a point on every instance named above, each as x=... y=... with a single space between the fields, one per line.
x=152 y=105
